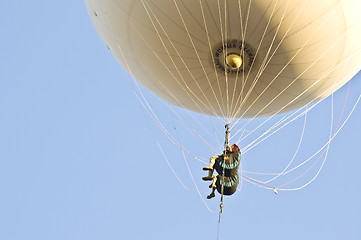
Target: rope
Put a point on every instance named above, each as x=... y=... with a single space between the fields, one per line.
x=170 y=166
x=263 y=185
x=226 y=142
x=194 y=183
x=328 y=144
x=294 y=155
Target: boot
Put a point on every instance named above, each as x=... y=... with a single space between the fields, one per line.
x=207 y=169
x=208 y=178
x=212 y=195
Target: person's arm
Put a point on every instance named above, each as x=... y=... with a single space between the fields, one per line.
x=228 y=148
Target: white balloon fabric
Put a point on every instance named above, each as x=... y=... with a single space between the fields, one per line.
x=234 y=59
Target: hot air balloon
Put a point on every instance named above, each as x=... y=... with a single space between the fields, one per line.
x=234 y=59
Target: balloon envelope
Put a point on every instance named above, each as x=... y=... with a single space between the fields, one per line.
x=234 y=58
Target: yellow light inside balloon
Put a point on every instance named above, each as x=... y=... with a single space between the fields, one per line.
x=234 y=61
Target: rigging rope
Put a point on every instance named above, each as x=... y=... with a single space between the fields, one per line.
x=329 y=142
x=170 y=166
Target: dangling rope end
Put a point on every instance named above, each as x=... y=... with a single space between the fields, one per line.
x=226 y=139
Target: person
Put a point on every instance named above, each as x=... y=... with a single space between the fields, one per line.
x=229 y=161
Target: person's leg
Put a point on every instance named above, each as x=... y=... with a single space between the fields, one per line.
x=212 y=195
x=213 y=186
x=212 y=161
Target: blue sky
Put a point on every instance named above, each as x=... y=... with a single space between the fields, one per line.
x=79 y=156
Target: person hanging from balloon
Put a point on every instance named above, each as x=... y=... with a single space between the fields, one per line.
x=226 y=166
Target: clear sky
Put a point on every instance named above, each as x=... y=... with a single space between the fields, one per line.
x=79 y=156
